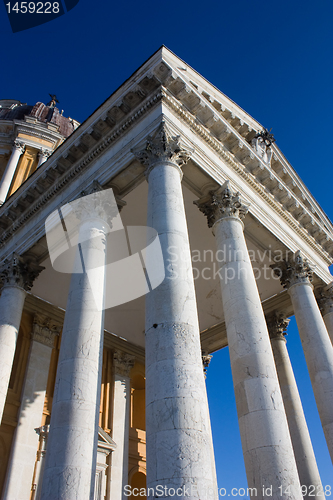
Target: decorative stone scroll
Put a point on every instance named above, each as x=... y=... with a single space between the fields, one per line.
x=19 y=271
x=325 y=299
x=206 y=359
x=222 y=203
x=123 y=363
x=19 y=146
x=277 y=325
x=293 y=271
x=45 y=330
x=162 y=146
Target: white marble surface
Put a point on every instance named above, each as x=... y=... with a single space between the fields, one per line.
x=328 y=318
x=300 y=437
x=179 y=442
x=318 y=351
x=11 y=307
x=267 y=448
x=25 y=443
x=72 y=444
x=120 y=435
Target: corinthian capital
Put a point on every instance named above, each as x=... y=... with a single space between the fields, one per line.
x=293 y=271
x=162 y=146
x=19 y=145
x=222 y=203
x=325 y=299
x=95 y=202
x=45 y=330
x=123 y=363
x=19 y=271
x=277 y=325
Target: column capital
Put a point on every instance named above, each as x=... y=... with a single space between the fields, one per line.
x=325 y=299
x=221 y=204
x=206 y=359
x=44 y=330
x=277 y=324
x=123 y=363
x=19 y=145
x=95 y=202
x=162 y=147
x=293 y=271
x=19 y=271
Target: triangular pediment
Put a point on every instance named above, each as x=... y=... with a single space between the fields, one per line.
x=166 y=80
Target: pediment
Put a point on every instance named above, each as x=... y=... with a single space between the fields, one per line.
x=222 y=124
x=105 y=441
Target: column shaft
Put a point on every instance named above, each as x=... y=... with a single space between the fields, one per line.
x=11 y=307
x=325 y=302
x=318 y=351
x=300 y=437
x=179 y=442
x=72 y=443
x=17 y=274
x=120 y=435
x=10 y=171
x=267 y=448
x=268 y=453
x=25 y=443
x=328 y=319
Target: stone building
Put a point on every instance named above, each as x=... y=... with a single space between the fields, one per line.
x=92 y=401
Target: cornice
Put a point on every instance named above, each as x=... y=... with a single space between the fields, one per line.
x=216 y=122
x=54 y=176
x=240 y=168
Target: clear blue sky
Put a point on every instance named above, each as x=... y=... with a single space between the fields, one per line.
x=273 y=58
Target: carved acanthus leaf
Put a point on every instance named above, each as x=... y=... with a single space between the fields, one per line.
x=123 y=363
x=325 y=299
x=277 y=325
x=19 y=271
x=222 y=203
x=162 y=146
x=295 y=270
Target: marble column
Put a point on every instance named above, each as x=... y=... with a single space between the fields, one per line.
x=325 y=302
x=9 y=172
x=43 y=433
x=120 y=423
x=43 y=156
x=17 y=275
x=267 y=447
x=300 y=437
x=206 y=359
x=179 y=442
x=25 y=442
x=70 y=464
x=296 y=276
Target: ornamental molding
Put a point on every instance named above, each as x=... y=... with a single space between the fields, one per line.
x=221 y=204
x=46 y=187
x=123 y=363
x=213 y=121
x=325 y=299
x=19 y=146
x=277 y=324
x=240 y=169
x=294 y=271
x=45 y=330
x=162 y=146
x=206 y=359
x=19 y=271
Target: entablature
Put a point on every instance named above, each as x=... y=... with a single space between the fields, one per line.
x=80 y=158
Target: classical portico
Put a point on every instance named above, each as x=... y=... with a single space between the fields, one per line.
x=121 y=399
